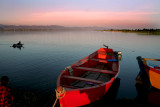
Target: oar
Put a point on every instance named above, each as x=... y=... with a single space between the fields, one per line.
x=151 y=59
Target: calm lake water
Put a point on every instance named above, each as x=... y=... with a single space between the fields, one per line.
x=46 y=54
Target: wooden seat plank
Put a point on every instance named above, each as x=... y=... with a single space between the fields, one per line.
x=67 y=86
x=99 y=60
x=95 y=70
x=83 y=79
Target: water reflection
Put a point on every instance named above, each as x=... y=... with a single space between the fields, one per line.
x=154 y=96
x=146 y=94
x=18 y=47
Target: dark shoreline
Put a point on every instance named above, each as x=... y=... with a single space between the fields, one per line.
x=139 y=31
x=20 y=28
x=36 y=99
x=44 y=28
x=30 y=98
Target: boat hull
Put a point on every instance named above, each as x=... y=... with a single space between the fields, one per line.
x=81 y=97
x=154 y=76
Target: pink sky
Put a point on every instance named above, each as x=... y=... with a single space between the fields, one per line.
x=87 y=18
x=105 y=13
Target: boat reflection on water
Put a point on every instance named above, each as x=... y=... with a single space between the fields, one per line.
x=149 y=96
x=19 y=47
x=109 y=99
x=154 y=96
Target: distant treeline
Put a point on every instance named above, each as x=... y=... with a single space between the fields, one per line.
x=43 y=28
x=29 y=28
x=145 y=31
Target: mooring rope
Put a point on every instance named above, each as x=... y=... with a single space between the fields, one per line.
x=60 y=93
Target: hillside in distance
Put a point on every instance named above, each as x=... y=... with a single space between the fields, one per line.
x=44 y=28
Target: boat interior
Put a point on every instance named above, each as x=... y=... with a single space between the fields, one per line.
x=95 y=69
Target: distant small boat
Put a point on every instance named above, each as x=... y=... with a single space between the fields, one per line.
x=152 y=71
x=88 y=79
x=17 y=45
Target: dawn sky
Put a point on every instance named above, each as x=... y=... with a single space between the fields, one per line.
x=105 y=13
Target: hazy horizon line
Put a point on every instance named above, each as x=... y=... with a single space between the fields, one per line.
x=75 y=26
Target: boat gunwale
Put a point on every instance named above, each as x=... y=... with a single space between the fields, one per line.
x=148 y=67
x=96 y=86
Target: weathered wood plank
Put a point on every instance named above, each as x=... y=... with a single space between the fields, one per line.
x=96 y=70
x=83 y=79
x=99 y=60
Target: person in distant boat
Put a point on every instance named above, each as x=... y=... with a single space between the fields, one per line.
x=19 y=43
x=6 y=99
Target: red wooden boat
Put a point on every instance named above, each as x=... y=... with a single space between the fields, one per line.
x=88 y=79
